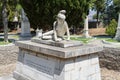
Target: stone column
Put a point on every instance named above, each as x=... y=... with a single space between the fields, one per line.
x=49 y=60
x=25 y=25
x=117 y=36
x=86 y=33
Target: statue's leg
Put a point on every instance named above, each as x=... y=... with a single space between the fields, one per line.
x=49 y=37
x=48 y=33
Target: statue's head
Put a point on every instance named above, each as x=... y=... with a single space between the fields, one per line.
x=61 y=16
x=62 y=11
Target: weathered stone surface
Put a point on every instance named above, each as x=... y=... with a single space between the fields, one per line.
x=62 y=44
x=25 y=25
x=52 y=68
x=44 y=62
x=58 y=51
x=86 y=33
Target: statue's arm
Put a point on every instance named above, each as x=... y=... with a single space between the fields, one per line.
x=54 y=31
x=68 y=33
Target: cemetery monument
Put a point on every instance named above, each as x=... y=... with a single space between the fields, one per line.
x=25 y=25
x=60 y=27
x=117 y=36
x=86 y=32
x=50 y=56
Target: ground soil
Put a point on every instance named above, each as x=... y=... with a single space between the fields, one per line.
x=109 y=74
x=97 y=31
x=8 y=59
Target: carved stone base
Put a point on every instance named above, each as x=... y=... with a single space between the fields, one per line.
x=46 y=62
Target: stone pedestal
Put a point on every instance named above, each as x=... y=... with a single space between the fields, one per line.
x=25 y=26
x=25 y=29
x=37 y=61
x=86 y=33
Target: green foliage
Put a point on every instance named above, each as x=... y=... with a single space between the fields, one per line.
x=110 y=11
x=95 y=16
x=41 y=13
x=109 y=14
x=99 y=6
x=11 y=8
x=111 y=28
x=117 y=5
x=112 y=40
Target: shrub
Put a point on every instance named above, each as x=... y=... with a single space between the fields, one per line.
x=111 y=28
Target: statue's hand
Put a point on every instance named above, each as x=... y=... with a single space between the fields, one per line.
x=58 y=39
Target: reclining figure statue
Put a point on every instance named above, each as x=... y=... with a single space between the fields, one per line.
x=60 y=27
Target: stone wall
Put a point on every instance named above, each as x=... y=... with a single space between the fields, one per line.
x=45 y=62
x=8 y=59
x=110 y=58
x=8 y=54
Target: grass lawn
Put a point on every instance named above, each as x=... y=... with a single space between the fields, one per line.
x=82 y=39
x=14 y=36
x=112 y=40
x=2 y=42
x=86 y=40
x=108 y=39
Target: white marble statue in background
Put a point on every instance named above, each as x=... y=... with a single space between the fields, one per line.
x=39 y=32
x=60 y=27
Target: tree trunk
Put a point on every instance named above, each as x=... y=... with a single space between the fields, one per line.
x=5 y=20
x=97 y=24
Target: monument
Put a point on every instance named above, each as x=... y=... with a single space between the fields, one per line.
x=117 y=36
x=60 y=27
x=25 y=25
x=53 y=57
x=86 y=33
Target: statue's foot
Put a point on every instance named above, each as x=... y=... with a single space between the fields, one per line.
x=59 y=39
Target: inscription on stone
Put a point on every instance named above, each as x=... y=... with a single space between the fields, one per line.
x=42 y=65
